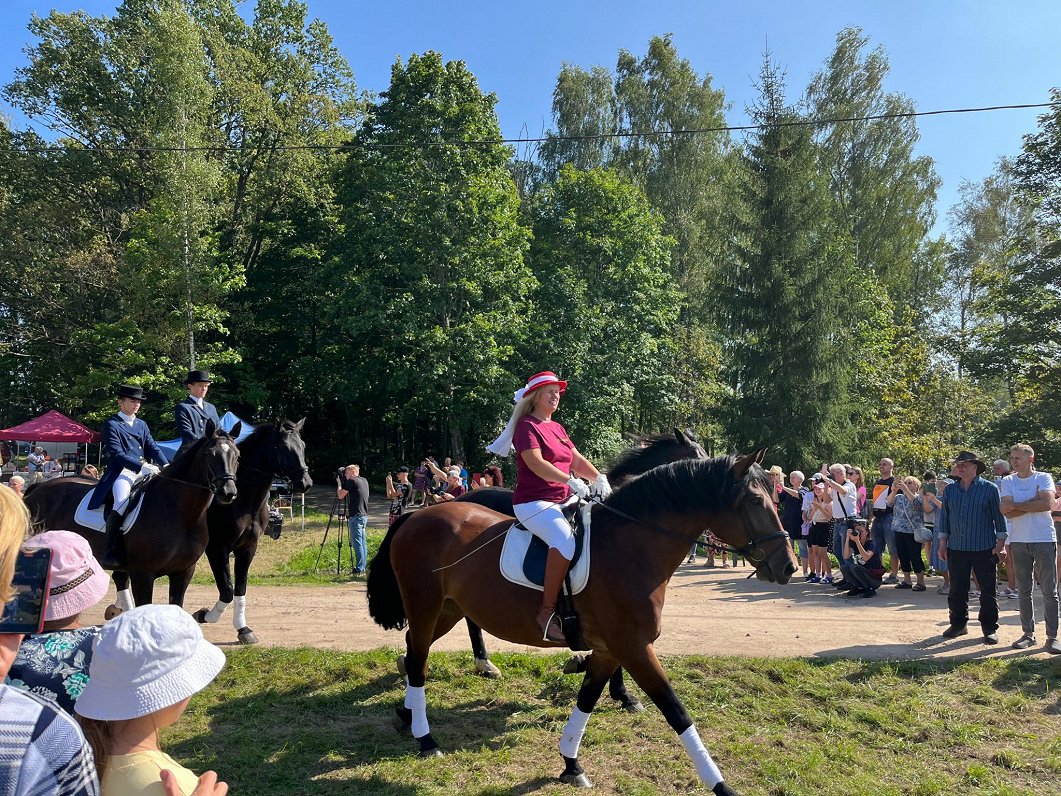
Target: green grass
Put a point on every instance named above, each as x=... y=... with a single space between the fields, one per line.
x=290 y=560
x=309 y=722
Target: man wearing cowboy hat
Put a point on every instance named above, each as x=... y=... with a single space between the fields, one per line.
x=131 y=452
x=972 y=534
x=193 y=412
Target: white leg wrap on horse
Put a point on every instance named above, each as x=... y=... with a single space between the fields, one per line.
x=705 y=766
x=239 y=612
x=214 y=613
x=573 y=731
x=416 y=701
x=125 y=600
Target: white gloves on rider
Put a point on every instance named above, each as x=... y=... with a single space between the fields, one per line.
x=578 y=486
x=149 y=469
x=600 y=487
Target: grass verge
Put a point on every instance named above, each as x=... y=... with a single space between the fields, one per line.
x=307 y=721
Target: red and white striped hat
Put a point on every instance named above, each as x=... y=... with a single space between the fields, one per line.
x=539 y=380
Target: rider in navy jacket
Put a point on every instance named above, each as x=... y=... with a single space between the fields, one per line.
x=131 y=450
x=192 y=413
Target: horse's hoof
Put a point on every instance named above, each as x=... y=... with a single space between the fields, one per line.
x=633 y=706
x=487 y=669
x=576 y=664
x=428 y=747
x=111 y=612
x=401 y=665
x=578 y=780
x=246 y=636
x=200 y=616
x=722 y=789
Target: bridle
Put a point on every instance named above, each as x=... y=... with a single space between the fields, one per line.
x=214 y=481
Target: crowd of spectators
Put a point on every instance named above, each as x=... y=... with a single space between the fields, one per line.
x=905 y=529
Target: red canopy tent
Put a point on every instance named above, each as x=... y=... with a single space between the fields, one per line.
x=52 y=426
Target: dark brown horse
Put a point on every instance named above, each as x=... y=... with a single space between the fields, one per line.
x=436 y=567
x=648 y=452
x=170 y=534
x=235 y=528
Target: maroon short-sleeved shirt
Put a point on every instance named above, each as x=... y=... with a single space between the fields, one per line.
x=556 y=447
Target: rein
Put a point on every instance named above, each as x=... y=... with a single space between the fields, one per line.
x=752 y=550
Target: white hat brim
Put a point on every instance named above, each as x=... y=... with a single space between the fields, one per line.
x=110 y=702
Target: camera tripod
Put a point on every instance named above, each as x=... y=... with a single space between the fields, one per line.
x=338 y=513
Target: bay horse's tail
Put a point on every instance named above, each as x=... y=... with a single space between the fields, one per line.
x=385 y=604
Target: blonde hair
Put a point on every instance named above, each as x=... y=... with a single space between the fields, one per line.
x=916 y=480
x=14 y=520
x=1022 y=448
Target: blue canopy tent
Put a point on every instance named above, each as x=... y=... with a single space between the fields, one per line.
x=228 y=420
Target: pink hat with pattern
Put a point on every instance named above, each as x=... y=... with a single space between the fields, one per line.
x=77 y=580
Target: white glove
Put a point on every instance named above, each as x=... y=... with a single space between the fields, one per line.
x=149 y=469
x=578 y=486
x=601 y=488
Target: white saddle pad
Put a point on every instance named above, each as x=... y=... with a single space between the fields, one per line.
x=94 y=519
x=514 y=550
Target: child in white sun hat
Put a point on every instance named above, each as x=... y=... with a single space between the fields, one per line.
x=147 y=664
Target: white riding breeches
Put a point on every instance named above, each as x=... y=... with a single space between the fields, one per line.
x=123 y=484
x=545 y=520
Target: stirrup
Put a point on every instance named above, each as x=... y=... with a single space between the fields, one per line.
x=552 y=622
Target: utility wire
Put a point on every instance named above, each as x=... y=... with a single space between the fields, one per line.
x=494 y=141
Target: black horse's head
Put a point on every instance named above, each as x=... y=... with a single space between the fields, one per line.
x=649 y=452
x=290 y=453
x=220 y=457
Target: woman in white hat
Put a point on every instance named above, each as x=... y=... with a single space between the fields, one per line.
x=54 y=663
x=147 y=665
x=548 y=470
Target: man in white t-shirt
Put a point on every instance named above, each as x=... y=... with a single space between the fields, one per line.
x=1027 y=498
x=842 y=490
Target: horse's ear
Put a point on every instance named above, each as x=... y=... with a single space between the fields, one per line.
x=744 y=463
x=234 y=431
x=691 y=435
x=298 y=425
x=211 y=429
x=678 y=435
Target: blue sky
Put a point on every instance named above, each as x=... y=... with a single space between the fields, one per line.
x=942 y=54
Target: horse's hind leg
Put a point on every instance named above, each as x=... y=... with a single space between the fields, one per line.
x=599 y=668
x=617 y=691
x=242 y=564
x=178 y=585
x=418 y=639
x=482 y=660
x=647 y=672
x=124 y=599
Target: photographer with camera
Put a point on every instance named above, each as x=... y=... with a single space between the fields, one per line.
x=354 y=487
x=399 y=492
x=866 y=568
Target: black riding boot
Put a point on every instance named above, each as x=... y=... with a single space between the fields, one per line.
x=114 y=553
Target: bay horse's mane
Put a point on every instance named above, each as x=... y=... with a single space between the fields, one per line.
x=179 y=467
x=685 y=486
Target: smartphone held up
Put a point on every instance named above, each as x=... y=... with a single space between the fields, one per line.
x=24 y=613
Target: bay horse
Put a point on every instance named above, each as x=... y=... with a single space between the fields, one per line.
x=435 y=567
x=235 y=528
x=649 y=452
x=170 y=533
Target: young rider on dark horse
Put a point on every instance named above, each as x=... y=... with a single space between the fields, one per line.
x=131 y=452
x=192 y=413
x=548 y=470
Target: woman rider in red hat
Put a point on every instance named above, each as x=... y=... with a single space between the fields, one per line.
x=548 y=469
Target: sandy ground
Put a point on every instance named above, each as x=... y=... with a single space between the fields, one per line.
x=708 y=611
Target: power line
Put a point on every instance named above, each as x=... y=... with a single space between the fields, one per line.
x=541 y=139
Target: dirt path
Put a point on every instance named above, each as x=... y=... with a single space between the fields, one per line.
x=708 y=611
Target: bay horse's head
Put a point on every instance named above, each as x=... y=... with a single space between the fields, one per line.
x=219 y=457
x=290 y=452
x=752 y=526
